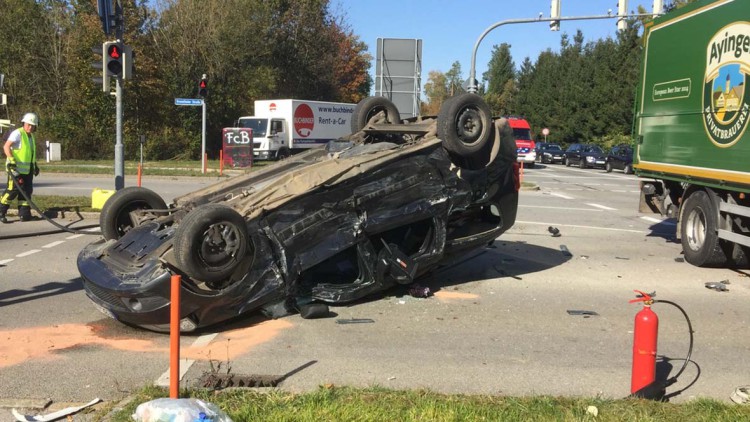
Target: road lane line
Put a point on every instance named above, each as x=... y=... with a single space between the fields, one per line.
x=657 y=221
x=53 y=244
x=604 y=207
x=185 y=364
x=5 y=261
x=74 y=236
x=559 y=195
x=27 y=253
x=559 y=208
x=537 y=223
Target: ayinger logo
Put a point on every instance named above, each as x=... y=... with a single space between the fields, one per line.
x=725 y=103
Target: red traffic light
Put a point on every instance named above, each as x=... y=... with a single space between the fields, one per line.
x=203 y=87
x=114 y=51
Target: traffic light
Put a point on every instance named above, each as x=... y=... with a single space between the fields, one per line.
x=113 y=58
x=203 y=86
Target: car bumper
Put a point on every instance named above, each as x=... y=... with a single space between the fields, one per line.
x=527 y=158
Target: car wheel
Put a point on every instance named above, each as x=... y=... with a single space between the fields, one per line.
x=115 y=219
x=608 y=167
x=210 y=242
x=369 y=107
x=628 y=169
x=530 y=165
x=700 y=239
x=567 y=162
x=465 y=125
x=582 y=163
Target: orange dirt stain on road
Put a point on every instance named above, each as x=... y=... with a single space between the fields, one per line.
x=18 y=346
x=445 y=295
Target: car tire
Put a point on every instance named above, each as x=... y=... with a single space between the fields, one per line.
x=567 y=162
x=699 y=224
x=582 y=163
x=628 y=169
x=115 y=220
x=369 y=107
x=608 y=167
x=465 y=125
x=210 y=242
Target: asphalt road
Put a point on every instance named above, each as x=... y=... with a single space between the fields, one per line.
x=498 y=322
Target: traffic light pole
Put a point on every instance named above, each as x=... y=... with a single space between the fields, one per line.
x=119 y=147
x=203 y=139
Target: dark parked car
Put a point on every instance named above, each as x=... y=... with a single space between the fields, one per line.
x=550 y=153
x=584 y=155
x=620 y=158
x=330 y=225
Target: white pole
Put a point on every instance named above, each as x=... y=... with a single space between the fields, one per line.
x=203 y=139
x=46 y=143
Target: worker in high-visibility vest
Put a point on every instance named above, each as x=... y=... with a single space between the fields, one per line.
x=20 y=153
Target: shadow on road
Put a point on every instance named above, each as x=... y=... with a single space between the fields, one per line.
x=666 y=229
x=54 y=288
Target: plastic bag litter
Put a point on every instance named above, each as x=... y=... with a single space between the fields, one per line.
x=179 y=410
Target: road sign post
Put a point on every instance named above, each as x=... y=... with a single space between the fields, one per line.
x=197 y=102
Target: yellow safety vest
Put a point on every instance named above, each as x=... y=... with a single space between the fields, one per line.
x=26 y=155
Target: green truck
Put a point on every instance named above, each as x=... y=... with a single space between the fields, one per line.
x=691 y=115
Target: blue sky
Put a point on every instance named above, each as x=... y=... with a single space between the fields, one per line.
x=450 y=28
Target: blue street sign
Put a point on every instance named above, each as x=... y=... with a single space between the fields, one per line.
x=188 y=102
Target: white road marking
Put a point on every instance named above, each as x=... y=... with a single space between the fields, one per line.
x=53 y=244
x=27 y=253
x=559 y=195
x=5 y=261
x=74 y=236
x=603 y=207
x=657 y=221
x=185 y=364
x=537 y=223
x=559 y=208
x=93 y=229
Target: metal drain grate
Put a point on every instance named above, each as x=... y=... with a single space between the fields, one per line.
x=219 y=381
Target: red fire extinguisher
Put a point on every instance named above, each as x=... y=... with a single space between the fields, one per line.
x=645 y=334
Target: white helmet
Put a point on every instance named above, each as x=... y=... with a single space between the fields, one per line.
x=30 y=118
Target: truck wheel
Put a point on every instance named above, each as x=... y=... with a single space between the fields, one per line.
x=369 y=107
x=210 y=242
x=608 y=167
x=465 y=125
x=282 y=154
x=699 y=224
x=115 y=220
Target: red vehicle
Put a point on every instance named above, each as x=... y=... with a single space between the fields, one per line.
x=237 y=146
x=524 y=143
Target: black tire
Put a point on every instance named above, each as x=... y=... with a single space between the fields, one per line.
x=369 y=107
x=115 y=220
x=210 y=242
x=283 y=154
x=608 y=167
x=628 y=169
x=698 y=225
x=567 y=162
x=582 y=163
x=530 y=165
x=544 y=160
x=465 y=125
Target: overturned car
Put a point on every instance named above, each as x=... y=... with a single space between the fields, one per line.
x=331 y=225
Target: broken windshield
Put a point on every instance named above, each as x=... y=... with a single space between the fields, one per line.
x=259 y=126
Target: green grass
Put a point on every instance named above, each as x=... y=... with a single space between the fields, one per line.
x=151 y=168
x=379 y=404
x=63 y=203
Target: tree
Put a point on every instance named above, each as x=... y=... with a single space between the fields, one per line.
x=436 y=91
x=454 y=80
x=500 y=77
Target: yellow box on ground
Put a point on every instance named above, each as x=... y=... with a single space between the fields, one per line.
x=99 y=197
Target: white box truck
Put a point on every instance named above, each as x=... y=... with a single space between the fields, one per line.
x=283 y=127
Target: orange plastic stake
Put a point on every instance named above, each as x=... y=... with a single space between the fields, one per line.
x=174 y=339
x=521 y=172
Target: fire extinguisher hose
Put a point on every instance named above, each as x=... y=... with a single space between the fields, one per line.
x=673 y=379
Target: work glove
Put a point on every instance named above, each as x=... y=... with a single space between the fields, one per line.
x=36 y=170
x=10 y=166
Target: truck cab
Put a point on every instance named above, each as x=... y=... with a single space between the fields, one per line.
x=270 y=137
x=525 y=145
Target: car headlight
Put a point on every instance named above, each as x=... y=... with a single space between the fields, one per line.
x=590 y=158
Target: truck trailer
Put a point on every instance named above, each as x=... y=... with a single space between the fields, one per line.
x=691 y=114
x=284 y=127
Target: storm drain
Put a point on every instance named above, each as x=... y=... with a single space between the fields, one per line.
x=219 y=381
